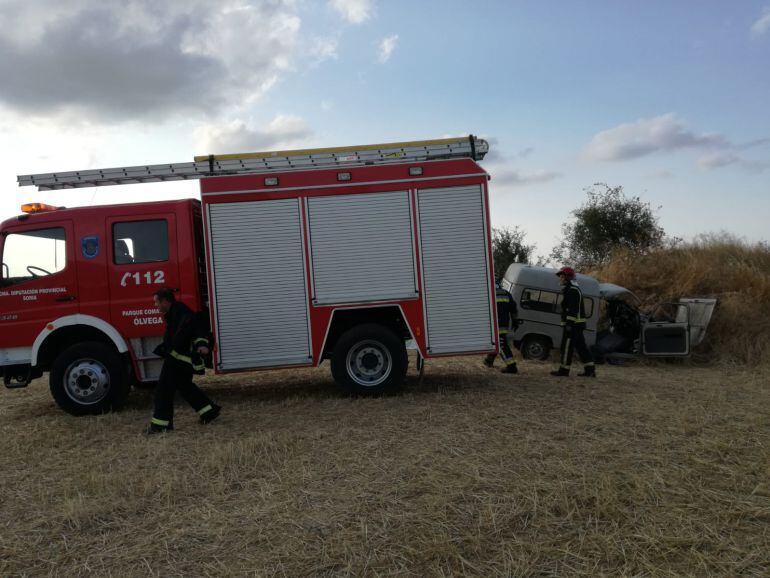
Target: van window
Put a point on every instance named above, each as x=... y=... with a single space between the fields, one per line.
x=588 y=306
x=33 y=254
x=140 y=242
x=550 y=301
x=539 y=300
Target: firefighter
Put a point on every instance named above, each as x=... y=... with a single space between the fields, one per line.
x=185 y=342
x=506 y=321
x=573 y=321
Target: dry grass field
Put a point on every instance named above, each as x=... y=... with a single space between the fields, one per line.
x=649 y=470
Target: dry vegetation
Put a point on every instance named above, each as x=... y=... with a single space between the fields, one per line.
x=652 y=469
x=647 y=470
x=736 y=273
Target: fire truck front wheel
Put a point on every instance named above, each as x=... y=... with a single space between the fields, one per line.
x=369 y=359
x=89 y=378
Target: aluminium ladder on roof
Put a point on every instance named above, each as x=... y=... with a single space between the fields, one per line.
x=218 y=165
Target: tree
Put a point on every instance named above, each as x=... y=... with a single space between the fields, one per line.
x=508 y=247
x=607 y=221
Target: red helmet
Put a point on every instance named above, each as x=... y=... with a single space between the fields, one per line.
x=568 y=272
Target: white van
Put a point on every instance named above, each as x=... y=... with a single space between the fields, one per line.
x=669 y=330
x=537 y=293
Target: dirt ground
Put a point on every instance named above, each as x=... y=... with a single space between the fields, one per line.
x=647 y=470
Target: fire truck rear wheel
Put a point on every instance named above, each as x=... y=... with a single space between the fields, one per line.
x=89 y=378
x=369 y=359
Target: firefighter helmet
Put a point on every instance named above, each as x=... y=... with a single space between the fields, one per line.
x=568 y=272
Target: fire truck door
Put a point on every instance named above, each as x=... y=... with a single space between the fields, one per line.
x=143 y=258
x=39 y=281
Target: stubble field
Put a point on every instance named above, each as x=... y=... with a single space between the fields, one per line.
x=648 y=470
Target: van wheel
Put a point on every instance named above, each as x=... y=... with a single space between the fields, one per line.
x=536 y=347
x=369 y=360
x=89 y=378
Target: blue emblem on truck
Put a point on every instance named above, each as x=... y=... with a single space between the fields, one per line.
x=90 y=247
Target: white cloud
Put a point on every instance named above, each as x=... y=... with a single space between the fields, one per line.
x=354 y=11
x=661 y=174
x=755 y=166
x=752 y=143
x=525 y=152
x=386 y=48
x=236 y=136
x=497 y=163
x=721 y=159
x=718 y=159
x=495 y=156
x=762 y=25
x=324 y=49
x=647 y=136
x=116 y=61
x=502 y=177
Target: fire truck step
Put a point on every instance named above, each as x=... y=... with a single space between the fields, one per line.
x=17 y=380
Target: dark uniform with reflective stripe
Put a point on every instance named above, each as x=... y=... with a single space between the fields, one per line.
x=506 y=320
x=184 y=335
x=573 y=319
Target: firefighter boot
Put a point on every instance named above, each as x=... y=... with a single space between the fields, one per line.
x=153 y=429
x=210 y=413
x=561 y=372
x=510 y=369
x=489 y=360
x=588 y=371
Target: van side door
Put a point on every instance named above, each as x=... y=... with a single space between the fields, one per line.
x=667 y=332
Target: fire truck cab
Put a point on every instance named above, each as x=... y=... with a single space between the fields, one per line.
x=76 y=294
x=329 y=254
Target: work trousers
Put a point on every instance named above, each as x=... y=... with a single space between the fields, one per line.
x=506 y=354
x=573 y=339
x=176 y=376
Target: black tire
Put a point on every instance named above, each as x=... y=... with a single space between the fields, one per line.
x=536 y=347
x=369 y=359
x=89 y=378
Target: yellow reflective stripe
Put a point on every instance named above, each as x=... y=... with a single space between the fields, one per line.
x=564 y=366
x=503 y=331
x=502 y=300
x=181 y=357
x=575 y=319
x=204 y=409
x=509 y=361
x=589 y=364
x=200 y=340
x=160 y=422
x=200 y=367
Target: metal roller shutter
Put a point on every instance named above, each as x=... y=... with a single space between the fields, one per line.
x=361 y=247
x=455 y=270
x=259 y=284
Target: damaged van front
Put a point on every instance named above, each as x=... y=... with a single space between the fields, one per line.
x=668 y=330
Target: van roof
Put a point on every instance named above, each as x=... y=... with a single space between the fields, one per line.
x=545 y=278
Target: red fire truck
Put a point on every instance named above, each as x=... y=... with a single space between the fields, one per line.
x=349 y=254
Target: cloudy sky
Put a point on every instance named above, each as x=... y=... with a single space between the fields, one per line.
x=668 y=99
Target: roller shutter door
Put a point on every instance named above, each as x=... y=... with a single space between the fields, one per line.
x=259 y=283
x=361 y=247
x=455 y=270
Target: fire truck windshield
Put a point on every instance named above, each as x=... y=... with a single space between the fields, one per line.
x=31 y=254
